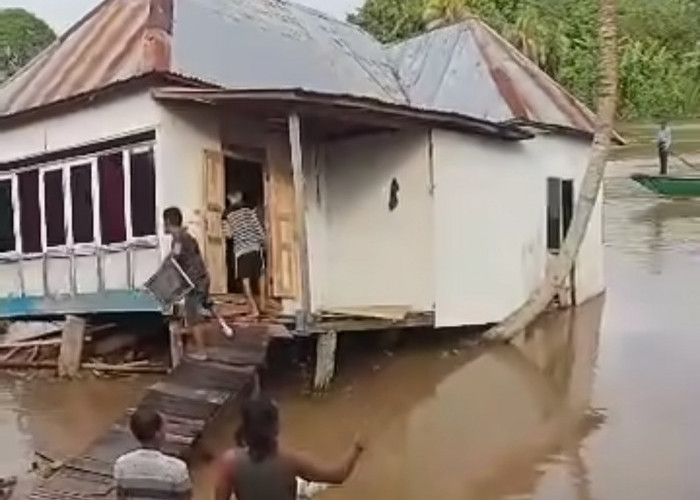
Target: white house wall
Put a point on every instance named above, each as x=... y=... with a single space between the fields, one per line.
x=184 y=133
x=316 y=220
x=490 y=226
x=375 y=256
x=109 y=119
x=105 y=120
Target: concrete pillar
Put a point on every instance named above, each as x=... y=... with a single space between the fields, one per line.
x=71 y=347
x=325 y=360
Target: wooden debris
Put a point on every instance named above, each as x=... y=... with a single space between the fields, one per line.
x=102 y=367
x=31 y=343
x=11 y=354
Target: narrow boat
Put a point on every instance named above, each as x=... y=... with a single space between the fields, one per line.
x=670 y=185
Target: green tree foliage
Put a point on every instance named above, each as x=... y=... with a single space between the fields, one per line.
x=391 y=20
x=22 y=36
x=659 y=43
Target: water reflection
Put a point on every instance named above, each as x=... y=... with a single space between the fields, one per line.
x=476 y=425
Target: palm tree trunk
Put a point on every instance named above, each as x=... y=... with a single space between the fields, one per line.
x=561 y=267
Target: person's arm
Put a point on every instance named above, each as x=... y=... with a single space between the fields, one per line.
x=224 y=476
x=311 y=469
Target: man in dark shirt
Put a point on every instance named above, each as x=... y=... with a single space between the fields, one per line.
x=186 y=253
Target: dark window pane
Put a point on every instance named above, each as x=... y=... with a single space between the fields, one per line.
x=54 y=209
x=7 y=218
x=143 y=193
x=29 y=212
x=567 y=201
x=553 y=214
x=82 y=207
x=111 y=177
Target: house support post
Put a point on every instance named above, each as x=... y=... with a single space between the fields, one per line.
x=71 y=347
x=326 y=345
x=300 y=218
x=175 y=342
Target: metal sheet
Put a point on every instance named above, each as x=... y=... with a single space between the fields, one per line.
x=275 y=44
x=470 y=69
x=104 y=48
x=466 y=69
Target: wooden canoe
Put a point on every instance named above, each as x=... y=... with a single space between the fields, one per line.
x=669 y=185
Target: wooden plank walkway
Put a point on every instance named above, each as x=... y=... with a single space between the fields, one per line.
x=189 y=398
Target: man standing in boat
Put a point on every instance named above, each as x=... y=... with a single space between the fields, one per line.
x=663 y=142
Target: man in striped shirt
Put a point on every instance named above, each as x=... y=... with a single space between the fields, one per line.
x=147 y=473
x=241 y=223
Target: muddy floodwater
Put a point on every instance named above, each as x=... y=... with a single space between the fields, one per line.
x=599 y=403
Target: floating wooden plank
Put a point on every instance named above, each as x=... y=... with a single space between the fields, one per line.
x=191 y=396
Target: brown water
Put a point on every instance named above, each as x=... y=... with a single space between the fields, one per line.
x=58 y=419
x=593 y=404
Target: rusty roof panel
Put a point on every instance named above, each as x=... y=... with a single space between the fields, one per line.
x=469 y=68
x=466 y=69
x=244 y=44
x=104 y=48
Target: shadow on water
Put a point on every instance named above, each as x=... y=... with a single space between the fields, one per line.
x=448 y=424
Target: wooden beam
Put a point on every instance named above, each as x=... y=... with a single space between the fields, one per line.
x=300 y=215
x=71 y=347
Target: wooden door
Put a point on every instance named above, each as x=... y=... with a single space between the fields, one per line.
x=284 y=249
x=214 y=244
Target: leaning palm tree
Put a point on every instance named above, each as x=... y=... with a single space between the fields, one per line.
x=561 y=267
x=440 y=13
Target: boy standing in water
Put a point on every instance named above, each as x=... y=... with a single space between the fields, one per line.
x=262 y=470
x=186 y=253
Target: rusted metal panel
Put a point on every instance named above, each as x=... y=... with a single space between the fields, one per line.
x=501 y=84
x=466 y=69
x=107 y=46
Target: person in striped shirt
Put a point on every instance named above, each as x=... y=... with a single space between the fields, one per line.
x=147 y=473
x=242 y=224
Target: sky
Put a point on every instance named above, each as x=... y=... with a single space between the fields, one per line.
x=61 y=14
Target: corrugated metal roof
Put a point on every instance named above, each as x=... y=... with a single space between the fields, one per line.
x=105 y=47
x=264 y=44
x=469 y=68
x=247 y=44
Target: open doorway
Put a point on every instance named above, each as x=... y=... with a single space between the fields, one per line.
x=246 y=176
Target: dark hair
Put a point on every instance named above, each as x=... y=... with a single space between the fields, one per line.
x=259 y=428
x=173 y=216
x=145 y=425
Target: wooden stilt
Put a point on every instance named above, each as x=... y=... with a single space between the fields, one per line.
x=71 y=347
x=325 y=360
x=175 y=343
x=295 y=142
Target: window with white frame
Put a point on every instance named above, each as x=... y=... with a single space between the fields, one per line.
x=107 y=198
